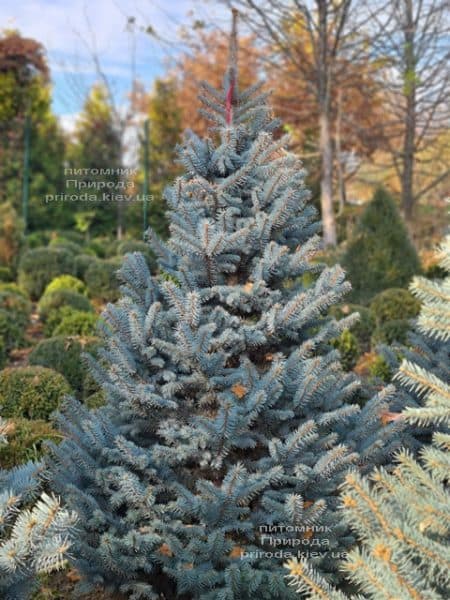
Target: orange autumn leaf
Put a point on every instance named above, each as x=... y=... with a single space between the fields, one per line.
x=248 y=287
x=236 y=552
x=239 y=390
x=389 y=417
x=165 y=550
x=188 y=566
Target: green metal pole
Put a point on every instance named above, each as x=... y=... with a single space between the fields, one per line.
x=26 y=171
x=146 y=169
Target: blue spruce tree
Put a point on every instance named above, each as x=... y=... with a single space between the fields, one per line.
x=34 y=538
x=229 y=424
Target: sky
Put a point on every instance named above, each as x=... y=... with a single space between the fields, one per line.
x=72 y=30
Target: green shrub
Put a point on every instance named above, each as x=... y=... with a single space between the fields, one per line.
x=55 y=300
x=3 y=354
x=66 y=244
x=348 y=347
x=101 y=279
x=77 y=322
x=12 y=333
x=6 y=274
x=26 y=442
x=66 y=282
x=37 y=239
x=394 y=304
x=31 y=392
x=72 y=236
x=39 y=266
x=11 y=235
x=14 y=289
x=82 y=264
x=64 y=355
x=391 y=331
x=364 y=328
x=98 y=248
x=18 y=307
x=380 y=369
x=380 y=254
x=138 y=246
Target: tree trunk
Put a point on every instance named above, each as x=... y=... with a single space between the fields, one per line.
x=409 y=85
x=326 y=182
x=340 y=168
x=325 y=142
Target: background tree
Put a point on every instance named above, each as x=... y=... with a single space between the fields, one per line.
x=413 y=39
x=330 y=33
x=25 y=92
x=96 y=148
x=380 y=254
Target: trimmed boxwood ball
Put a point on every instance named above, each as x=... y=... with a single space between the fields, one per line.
x=26 y=441
x=39 y=266
x=82 y=264
x=55 y=300
x=391 y=331
x=31 y=392
x=101 y=279
x=394 y=304
x=12 y=332
x=380 y=255
x=16 y=305
x=66 y=282
x=77 y=322
x=72 y=247
x=64 y=355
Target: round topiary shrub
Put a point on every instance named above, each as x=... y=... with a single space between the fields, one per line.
x=12 y=332
x=379 y=369
x=63 y=298
x=38 y=239
x=82 y=264
x=391 y=331
x=64 y=355
x=394 y=304
x=39 y=266
x=68 y=245
x=138 y=246
x=16 y=305
x=31 y=392
x=348 y=347
x=66 y=282
x=77 y=322
x=101 y=279
x=380 y=255
x=26 y=442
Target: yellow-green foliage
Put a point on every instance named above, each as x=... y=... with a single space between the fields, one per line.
x=60 y=299
x=66 y=282
x=31 y=392
x=77 y=322
x=348 y=347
